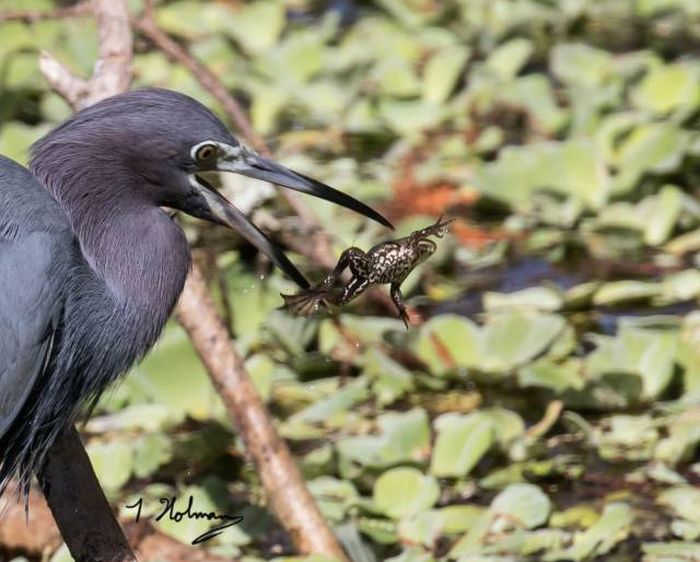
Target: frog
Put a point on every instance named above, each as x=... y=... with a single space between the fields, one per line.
x=389 y=262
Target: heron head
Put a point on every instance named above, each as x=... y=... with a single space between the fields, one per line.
x=153 y=144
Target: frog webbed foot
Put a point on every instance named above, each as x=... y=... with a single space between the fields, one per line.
x=306 y=302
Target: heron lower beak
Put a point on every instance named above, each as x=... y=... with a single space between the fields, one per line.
x=253 y=165
x=220 y=210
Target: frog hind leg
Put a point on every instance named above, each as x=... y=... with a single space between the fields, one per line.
x=352 y=290
x=349 y=258
x=397 y=297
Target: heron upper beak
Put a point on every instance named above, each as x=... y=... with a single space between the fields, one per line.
x=255 y=166
x=248 y=163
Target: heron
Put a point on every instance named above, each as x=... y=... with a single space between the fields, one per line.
x=91 y=261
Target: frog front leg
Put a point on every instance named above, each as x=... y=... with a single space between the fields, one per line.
x=397 y=297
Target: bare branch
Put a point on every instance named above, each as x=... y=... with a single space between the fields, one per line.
x=81 y=9
x=67 y=85
x=112 y=73
x=282 y=481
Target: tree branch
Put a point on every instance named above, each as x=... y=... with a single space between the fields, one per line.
x=80 y=9
x=282 y=481
x=112 y=72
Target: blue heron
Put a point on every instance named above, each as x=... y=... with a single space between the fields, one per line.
x=91 y=265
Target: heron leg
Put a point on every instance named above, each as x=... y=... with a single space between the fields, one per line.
x=397 y=297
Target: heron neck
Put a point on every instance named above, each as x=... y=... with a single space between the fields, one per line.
x=133 y=247
x=139 y=260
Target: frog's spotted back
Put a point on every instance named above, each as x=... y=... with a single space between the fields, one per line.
x=388 y=262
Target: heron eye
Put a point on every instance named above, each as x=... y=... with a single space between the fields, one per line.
x=205 y=153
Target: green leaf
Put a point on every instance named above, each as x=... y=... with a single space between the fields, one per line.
x=113 y=462
x=508 y=59
x=404 y=491
x=674 y=551
x=555 y=376
x=409 y=117
x=682 y=439
x=668 y=88
x=572 y=168
x=337 y=404
x=534 y=93
x=507 y=425
x=684 y=501
x=261 y=369
x=613 y=527
x=186 y=529
x=424 y=527
x=668 y=206
x=266 y=17
x=390 y=379
x=173 y=375
x=451 y=335
x=629 y=437
x=191 y=19
x=473 y=540
x=523 y=505
x=646 y=353
x=653 y=147
x=404 y=437
x=442 y=72
x=681 y=286
x=537 y=298
x=16 y=138
x=334 y=497
x=150 y=453
x=147 y=417
x=461 y=443
x=396 y=78
x=616 y=292
x=579 y=64
x=512 y=339
x=460 y=518
x=506 y=341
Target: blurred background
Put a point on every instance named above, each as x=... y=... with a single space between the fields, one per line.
x=547 y=406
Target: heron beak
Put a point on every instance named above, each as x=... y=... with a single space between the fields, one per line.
x=221 y=211
x=246 y=162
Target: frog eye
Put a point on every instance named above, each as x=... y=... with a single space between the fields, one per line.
x=426 y=247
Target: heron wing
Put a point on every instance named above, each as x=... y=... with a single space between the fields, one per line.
x=31 y=277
